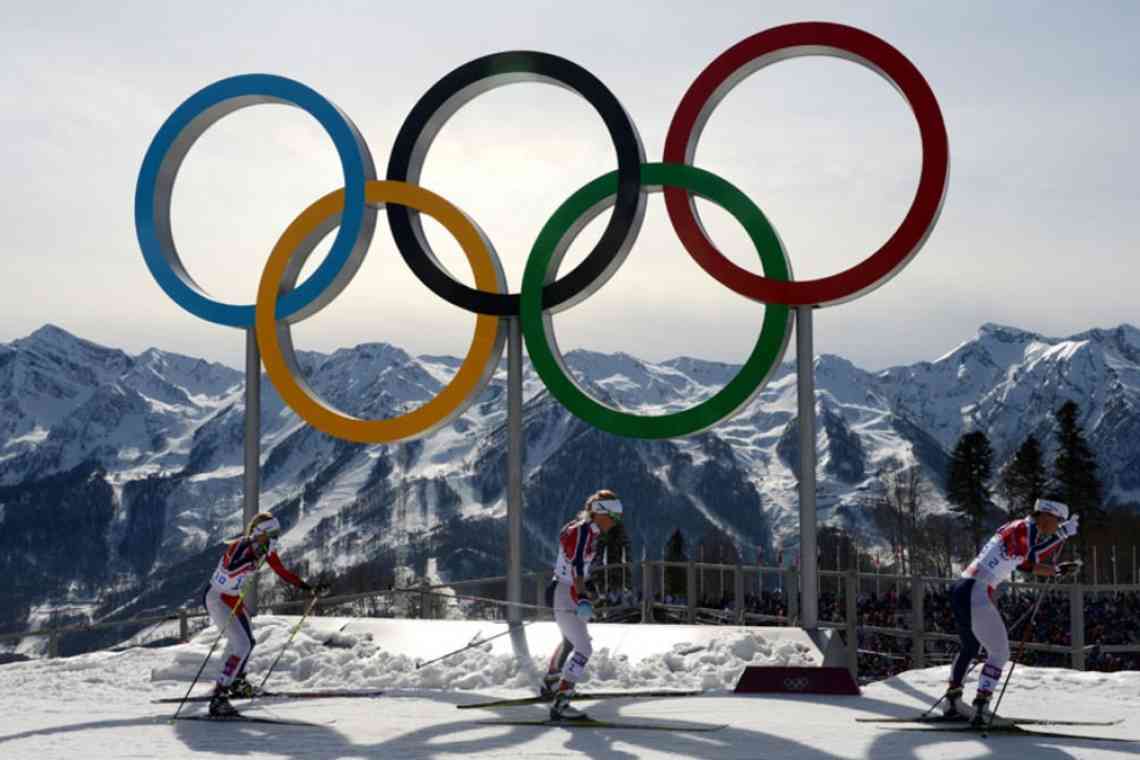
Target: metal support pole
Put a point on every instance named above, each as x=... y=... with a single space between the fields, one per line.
x=852 y=615
x=1077 y=624
x=252 y=480
x=514 y=486
x=918 y=623
x=809 y=559
x=183 y=626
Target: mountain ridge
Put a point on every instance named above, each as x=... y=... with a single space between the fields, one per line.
x=164 y=431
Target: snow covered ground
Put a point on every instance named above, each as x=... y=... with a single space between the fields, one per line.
x=99 y=705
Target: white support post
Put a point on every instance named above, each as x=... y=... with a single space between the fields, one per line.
x=809 y=560
x=252 y=479
x=514 y=489
x=1077 y=624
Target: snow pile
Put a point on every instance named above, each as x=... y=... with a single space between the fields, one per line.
x=355 y=660
x=99 y=705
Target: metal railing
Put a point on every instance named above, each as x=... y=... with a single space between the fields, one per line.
x=185 y=614
x=745 y=579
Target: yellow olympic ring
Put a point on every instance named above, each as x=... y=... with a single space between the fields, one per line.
x=276 y=342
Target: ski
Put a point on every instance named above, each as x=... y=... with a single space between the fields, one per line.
x=1016 y=731
x=591 y=723
x=582 y=697
x=252 y=719
x=942 y=720
x=317 y=694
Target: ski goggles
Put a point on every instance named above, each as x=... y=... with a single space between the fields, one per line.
x=271 y=534
x=608 y=507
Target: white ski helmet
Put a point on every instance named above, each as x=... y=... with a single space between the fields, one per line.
x=1058 y=509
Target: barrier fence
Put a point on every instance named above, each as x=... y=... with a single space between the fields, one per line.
x=713 y=594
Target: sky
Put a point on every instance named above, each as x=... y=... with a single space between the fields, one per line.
x=1039 y=228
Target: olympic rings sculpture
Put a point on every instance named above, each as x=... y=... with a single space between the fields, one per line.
x=352 y=211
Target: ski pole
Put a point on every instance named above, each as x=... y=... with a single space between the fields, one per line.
x=481 y=642
x=1020 y=651
x=280 y=654
x=472 y=645
x=969 y=670
x=221 y=635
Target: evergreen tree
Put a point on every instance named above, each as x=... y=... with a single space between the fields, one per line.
x=676 y=578
x=1023 y=479
x=1075 y=479
x=967 y=486
x=715 y=547
x=614 y=544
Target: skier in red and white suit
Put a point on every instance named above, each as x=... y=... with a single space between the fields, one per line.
x=1031 y=544
x=577 y=547
x=223 y=600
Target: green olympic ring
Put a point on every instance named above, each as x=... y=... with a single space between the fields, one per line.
x=542 y=266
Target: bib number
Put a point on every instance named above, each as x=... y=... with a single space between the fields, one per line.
x=230 y=584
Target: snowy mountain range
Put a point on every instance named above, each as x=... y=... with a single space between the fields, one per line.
x=118 y=469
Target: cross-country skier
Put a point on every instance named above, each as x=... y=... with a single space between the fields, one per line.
x=1031 y=544
x=223 y=601
x=577 y=546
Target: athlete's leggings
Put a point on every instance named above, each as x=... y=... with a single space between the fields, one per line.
x=979 y=625
x=575 y=649
x=239 y=636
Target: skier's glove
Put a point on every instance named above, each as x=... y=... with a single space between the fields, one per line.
x=585 y=610
x=1068 y=568
x=1068 y=529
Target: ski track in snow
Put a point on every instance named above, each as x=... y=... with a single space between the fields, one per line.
x=99 y=706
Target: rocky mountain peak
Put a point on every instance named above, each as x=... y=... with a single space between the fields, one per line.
x=167 y=430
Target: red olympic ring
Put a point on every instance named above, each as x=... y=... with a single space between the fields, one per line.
x=791 y=41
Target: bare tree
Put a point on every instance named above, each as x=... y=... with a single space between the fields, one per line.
x=897 y=510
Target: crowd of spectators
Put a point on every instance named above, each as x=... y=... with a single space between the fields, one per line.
x=1110 y=619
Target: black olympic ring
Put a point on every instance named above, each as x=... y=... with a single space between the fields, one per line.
x=450 y=94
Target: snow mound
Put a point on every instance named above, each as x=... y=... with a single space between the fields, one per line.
x=355 y=660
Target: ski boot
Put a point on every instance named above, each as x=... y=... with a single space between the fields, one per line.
x=561 y=709
x=549 y=686
x=220 y=707
x=241 y=689
x=983 y=717
x=955 y=710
